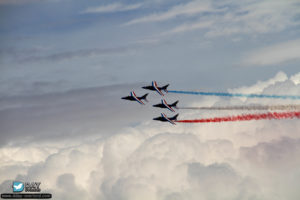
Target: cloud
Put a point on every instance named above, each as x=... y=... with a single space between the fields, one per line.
x=115 y=7
x=261 y=85
x=187 y=27
x=16 y=2
x=20 y=2
x=274 y=54
x=254 y=17
x=91 y=107
x=14 y=54
x=296 y=78
x=275 y=163
x=151 y=160
x=280 y=153
x=39 y=54
x=66 y=182
x=228 y=17
x=67 y=55
x=36 y=54
x=131 y=166
x=191 y=8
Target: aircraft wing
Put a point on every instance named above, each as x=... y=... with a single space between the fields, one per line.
x=167 y=106
x=166 y=118
x=136 y=98
x=154 y=84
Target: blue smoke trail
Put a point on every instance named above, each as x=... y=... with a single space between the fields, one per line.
x=236 y=94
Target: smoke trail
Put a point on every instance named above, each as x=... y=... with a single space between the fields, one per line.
x=225 y=94
x=253 y=107
x=247 y=117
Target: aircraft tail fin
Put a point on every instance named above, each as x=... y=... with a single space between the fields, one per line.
x=165 y=87
x=174 y=104
x=175 y=117
x=145 y=97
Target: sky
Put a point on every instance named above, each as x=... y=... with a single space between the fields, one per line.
x=65 y=64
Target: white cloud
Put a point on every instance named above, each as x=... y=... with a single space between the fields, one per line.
x=232 y=160
x=229 y=17
x=20 y=2
x=296 y=78
x=187 y=27
x=274 y=54
x=74 y=107
x=275 y=164
x=255 y=17
x=261 y=85
x=115 y=7
x=16 y=2
x=188 y=9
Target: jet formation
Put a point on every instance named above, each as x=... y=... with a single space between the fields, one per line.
x=163 y=104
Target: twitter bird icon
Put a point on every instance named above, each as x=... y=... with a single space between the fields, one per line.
x=18 y=186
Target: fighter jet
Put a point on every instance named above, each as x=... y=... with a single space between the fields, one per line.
x=164 y=118
x=164 y=104
x=154 y=87
x=133 y=97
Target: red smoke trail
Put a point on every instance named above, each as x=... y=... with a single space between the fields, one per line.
x=247 y=117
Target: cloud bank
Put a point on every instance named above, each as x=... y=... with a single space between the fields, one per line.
x=274 y=54
x=227 y=17
x=150 y=160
